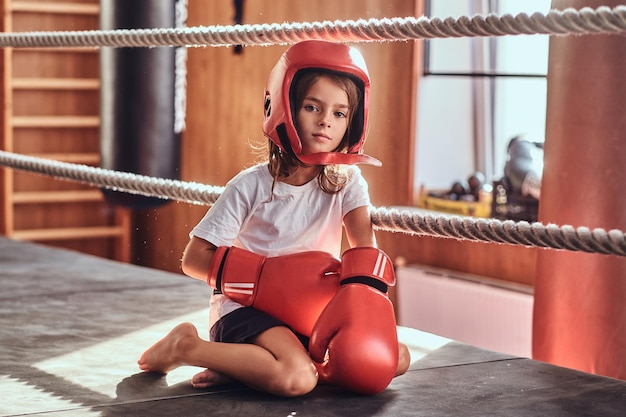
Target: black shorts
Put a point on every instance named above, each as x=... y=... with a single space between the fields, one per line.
x=243 y=324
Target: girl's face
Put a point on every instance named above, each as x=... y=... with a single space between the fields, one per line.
x=322 y=119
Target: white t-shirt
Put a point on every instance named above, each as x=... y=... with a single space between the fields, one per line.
x=294 y=219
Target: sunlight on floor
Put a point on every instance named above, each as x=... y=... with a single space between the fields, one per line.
x=420 y=343
x=84 y=367
x=103 y=367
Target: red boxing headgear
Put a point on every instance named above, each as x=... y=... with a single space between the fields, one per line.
x=279 y=104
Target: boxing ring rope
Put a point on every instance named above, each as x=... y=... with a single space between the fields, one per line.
x=602 y=20
x=386 y=219
x=569 y=21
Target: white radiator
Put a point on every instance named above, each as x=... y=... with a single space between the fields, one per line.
x=477 y=311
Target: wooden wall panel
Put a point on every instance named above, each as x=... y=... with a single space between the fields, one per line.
x=24 y=22
x=76 y=103
x=500 y=261
x=224 y=113
x=56 y=63
x=63 y=215
x=51 y=109
x=60 y=140
x=32 y=182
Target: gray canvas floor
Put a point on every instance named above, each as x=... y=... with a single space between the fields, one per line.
x=72 y=327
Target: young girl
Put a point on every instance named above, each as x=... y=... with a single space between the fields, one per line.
x=315 y=118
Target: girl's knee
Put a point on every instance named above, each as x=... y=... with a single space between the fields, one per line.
x=295 y=382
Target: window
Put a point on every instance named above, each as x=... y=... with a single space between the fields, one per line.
x=477 y=93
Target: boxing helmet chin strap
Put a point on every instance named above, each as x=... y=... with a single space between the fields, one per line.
x=338 y=158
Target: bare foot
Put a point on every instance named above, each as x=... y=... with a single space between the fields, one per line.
x=209 y=378
x=168 y=353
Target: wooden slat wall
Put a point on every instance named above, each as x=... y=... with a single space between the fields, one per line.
x=51 y=110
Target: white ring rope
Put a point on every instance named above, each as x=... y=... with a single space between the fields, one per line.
x=412 y=222
x=188 y=192
x=568 y=21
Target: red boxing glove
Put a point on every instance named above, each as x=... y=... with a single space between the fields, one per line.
x=291 y=288
x=355 y=341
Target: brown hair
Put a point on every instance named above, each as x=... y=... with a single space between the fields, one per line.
x=331 y=178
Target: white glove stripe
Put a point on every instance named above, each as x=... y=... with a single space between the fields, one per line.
x=379 y=268
x=239 y=285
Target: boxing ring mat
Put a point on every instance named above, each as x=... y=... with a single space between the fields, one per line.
x=72 y=327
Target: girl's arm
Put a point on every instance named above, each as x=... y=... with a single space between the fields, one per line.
x=359 y=229
x=197 y=258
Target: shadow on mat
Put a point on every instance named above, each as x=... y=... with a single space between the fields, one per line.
x=148 y=394
x=54 y=385
x=146 y=385
x=144 y=394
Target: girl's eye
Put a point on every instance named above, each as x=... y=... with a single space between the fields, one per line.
x=310 y=107
x=340 y=114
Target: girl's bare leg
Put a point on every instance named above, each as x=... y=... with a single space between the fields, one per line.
x=276 y=362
